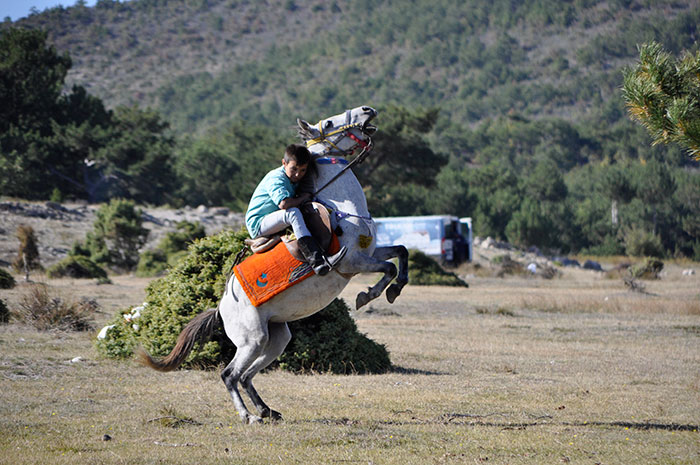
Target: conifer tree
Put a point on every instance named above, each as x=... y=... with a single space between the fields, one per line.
x=663 y=94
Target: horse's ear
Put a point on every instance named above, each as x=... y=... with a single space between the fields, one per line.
x=303 y=125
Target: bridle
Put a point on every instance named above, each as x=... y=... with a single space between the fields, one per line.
x=330 y=139
x=342 y=132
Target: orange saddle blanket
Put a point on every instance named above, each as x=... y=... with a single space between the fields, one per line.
x=264 y=275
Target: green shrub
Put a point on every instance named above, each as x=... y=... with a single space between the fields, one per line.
x=116 y=237
x=4 y=313
x=196 y=284
x=174 y=258
x=193 y=286
x=507 y=265
x=328 y=341
x=182 y=237
x=425 y=271
x=76 y=267
x=170 y=250
x=640 y=243
x=119 y=338
x=648 y=269
x=151 y=263
x=609 y=246
x=39 y=308
x=56 y=195
x=7 y=281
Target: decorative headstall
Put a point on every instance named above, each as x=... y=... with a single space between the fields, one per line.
x=330 y=140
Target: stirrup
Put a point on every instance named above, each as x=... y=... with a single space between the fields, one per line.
x=328 y=263
x=333 y=260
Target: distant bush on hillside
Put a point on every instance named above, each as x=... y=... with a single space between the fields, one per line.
x=640 y=243
x=4 y=313
x=116 y=237
x=76 y=267
x=506 y=265
x=425 y=271
x=648 y=269
x=170 y=249
x=7 y=281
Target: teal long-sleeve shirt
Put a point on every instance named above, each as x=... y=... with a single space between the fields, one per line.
x=273 y=188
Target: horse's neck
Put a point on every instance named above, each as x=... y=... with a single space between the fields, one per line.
x=344 y=194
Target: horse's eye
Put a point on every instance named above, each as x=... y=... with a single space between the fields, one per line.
x=329 y=124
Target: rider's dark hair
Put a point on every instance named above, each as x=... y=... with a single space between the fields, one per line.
x=298 y=153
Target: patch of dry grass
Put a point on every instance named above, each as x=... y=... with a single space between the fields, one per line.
x=45 y=310
x=516 y=371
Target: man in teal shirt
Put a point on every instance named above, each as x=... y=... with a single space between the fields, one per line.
x=274 y=206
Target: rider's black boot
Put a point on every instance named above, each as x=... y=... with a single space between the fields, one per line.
x=314 y=255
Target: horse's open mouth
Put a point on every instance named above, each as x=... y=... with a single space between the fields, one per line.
x=369 y=129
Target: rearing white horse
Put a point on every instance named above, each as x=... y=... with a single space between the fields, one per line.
x=260 y=334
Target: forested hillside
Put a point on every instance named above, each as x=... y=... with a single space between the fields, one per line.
x=206 y=62
x=509 y=112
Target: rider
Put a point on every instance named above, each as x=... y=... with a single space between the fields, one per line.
x=274 y=206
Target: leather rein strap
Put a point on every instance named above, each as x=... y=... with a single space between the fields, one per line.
x=366 y=147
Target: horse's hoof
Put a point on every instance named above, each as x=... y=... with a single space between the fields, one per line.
x=273 y=415
x=254 y=420
x=249 y=419
x=392 y=293
x=362 y=299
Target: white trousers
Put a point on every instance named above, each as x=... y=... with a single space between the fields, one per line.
x=281 y=219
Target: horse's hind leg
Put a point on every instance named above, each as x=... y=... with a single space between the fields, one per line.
x=245 y=355
x=279 y=337
x=250 y=336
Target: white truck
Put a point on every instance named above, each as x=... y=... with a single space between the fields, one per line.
x=445 y=237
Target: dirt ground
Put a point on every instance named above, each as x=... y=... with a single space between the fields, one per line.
x=519 y=370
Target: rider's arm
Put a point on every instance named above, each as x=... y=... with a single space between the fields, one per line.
x=291 y=202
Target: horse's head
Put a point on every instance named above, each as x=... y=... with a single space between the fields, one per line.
x=340 y=134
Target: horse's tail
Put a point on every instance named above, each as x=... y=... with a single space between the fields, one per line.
x=198 y=330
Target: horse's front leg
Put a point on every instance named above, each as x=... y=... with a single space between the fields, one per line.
x=386 y=253
x=362 y=263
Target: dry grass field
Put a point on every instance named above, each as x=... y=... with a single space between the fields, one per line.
x=509 y=371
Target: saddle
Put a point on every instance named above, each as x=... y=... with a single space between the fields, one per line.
x=317 y=220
